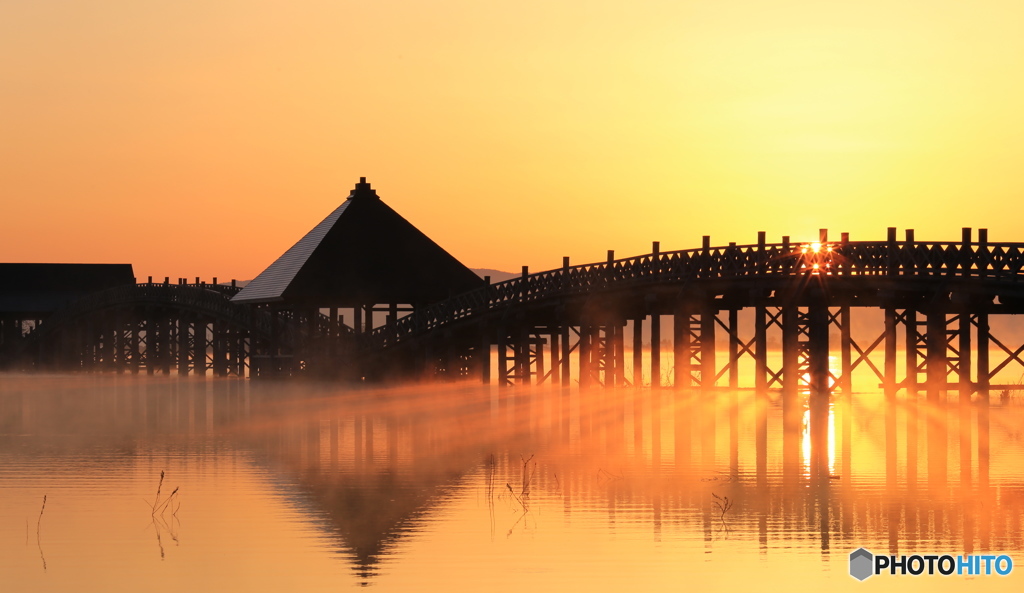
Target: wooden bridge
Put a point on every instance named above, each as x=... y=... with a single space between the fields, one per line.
x=726 y=306
x=778 y=311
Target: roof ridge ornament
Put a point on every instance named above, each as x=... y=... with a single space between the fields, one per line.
x=363 y=190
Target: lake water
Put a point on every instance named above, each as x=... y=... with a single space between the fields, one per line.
x=311 y=487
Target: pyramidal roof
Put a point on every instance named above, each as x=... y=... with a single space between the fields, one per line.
x=362 y=253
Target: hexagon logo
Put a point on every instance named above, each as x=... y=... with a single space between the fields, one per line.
x=861 y=564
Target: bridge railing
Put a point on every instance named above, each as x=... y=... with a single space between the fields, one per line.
x=202 y=299
x=997 y=261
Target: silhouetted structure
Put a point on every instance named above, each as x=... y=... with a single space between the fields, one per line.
x=29 y=293
x=364 y=256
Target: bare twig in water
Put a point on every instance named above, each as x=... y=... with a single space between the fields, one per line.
x=169 y=503
x=491 y=464
x=723 y=504
x=163 y=507
x=526 y=475
x=159 y=542
x=39 y=522
x=514 y=495
x=39 y=542
x=159 y=485
x=516 y=524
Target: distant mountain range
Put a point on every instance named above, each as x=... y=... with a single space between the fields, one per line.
x=496 y=275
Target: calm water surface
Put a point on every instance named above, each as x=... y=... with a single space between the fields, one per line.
x=455 y=488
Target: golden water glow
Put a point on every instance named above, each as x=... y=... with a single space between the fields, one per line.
x=455 y=487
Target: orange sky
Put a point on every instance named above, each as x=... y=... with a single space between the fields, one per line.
x=204 y=138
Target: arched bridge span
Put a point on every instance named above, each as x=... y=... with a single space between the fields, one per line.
x=932 y=300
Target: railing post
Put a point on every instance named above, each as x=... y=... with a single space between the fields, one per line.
x=965 y=253
x=760 y=252
x=565 y=272
x=983 y=254
x=705 y=252
x=910 y=268
x=787 y=263
x=845 y=259
x=890 y=264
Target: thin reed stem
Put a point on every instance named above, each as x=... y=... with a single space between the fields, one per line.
x=40 y=520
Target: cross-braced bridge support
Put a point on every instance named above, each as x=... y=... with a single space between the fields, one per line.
x=792 y=321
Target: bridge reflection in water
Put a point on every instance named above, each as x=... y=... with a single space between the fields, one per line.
x=378 y=468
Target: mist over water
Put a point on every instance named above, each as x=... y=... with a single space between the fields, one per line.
x=318 y=487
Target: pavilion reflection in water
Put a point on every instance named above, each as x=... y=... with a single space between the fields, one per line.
x=907 y=474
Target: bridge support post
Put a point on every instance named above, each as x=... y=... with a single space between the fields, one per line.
x=538 y=366
x=818 y=399
x=242 y=351
x=984 y=379
x=503 y=376
x=936 y=361
x=734 y=383
x=638 y=352
x=219 y=349
x=708 y=369
x=134 y=353
x=791 y=410
x=184 y=352
x=983 y=372
x=556 y=352
x=151 y=342
x=584 y=356
x=619 y=351
x=964 y=391
x=889 y=385
x=761 y=322
x=118 y=326
x=734 y=349
x=912 y=345
x=565 y=358
x=201 y=333
x=109 y=349
x=655 y=350
x=522 y=355
x=609 y=355
x=965 y=387
x=681 y=347
x=936 y=344
x=166 y=342
x=845 y=351
x=484 y=357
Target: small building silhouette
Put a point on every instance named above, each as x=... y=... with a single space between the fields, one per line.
x=29 y=293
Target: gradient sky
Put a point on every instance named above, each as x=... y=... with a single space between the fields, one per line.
x=204 y=138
